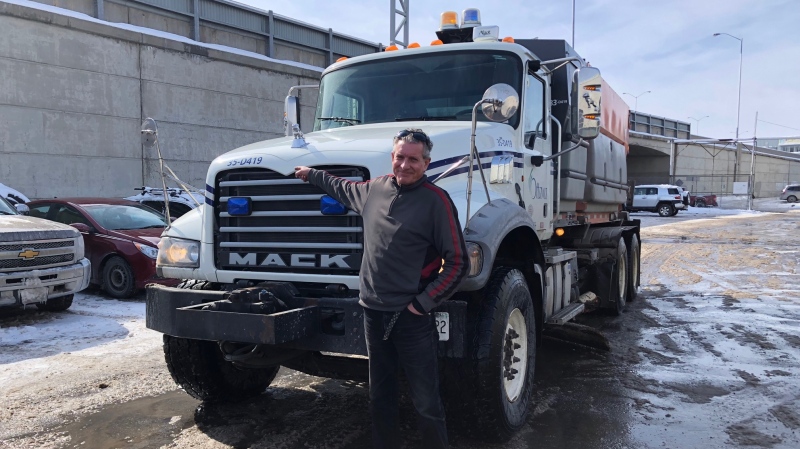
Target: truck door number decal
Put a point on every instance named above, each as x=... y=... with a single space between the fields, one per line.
x=504 y=143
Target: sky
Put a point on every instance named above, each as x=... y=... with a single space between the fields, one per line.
x=662 y=46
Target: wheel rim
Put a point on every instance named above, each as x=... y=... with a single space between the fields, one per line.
x=117 y=278
x=791 y=199
x=665 y=210
x=515 y=355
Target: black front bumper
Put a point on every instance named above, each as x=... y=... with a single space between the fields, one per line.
x=315 y=324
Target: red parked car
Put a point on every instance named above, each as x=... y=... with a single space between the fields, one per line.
x=121 y=239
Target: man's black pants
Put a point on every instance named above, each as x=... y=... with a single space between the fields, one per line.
x=412 y=346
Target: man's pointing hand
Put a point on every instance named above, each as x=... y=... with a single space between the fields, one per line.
x=301 y=172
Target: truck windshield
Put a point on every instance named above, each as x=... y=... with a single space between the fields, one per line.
x=434 y=86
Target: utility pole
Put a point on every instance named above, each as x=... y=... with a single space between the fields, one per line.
x=394 y=28
x=752 y=188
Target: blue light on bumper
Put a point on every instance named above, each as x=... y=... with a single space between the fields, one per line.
x=238 y=206
x=329 y=206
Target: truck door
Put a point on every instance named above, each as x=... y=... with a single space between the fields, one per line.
x=537 y=188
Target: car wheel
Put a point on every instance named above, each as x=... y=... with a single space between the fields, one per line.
x=700 y=202
x=791 y=198
x=666 y=210
x=118 y=278
x=59 y=304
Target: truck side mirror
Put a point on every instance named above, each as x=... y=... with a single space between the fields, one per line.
x=291 y=114
x=586 y=97
x=500 y=102
x=22 y=208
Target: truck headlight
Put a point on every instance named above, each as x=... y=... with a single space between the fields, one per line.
x=475 y=254
x=147 y=250
x=174 y=252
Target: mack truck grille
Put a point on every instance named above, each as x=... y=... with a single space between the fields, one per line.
x=286 y=229
x=36 y=254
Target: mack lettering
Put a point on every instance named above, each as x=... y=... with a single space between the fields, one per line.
x=302 y=260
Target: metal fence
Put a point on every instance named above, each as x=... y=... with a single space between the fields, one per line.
x=253 y=21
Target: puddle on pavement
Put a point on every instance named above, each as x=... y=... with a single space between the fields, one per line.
x=141 y=423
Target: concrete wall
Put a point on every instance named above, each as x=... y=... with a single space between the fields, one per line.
x=74 y=93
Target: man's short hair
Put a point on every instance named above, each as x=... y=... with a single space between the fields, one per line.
x=414 y=135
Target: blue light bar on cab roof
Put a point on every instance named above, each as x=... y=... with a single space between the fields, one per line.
x=239 y=206
x=471 y=18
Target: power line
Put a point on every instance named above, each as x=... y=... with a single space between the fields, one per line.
x=782 y=126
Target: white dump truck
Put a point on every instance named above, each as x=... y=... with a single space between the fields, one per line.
x=534 y=161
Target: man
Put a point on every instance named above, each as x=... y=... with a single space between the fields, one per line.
x=414 y=258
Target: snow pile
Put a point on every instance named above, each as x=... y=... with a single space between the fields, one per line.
x=156 y=194
x=13 y=196
x=93 y=325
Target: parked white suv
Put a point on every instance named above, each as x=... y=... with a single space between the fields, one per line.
x=664 y=199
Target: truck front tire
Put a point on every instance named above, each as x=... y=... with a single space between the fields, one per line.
x=199 y=367
x=503 y=357
x=59 y=304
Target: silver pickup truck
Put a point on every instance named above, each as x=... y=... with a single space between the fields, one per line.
x=41 y=262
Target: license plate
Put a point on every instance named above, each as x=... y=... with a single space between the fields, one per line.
x=33 y=295
x=443 y=325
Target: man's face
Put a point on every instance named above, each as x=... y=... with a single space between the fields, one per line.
x=408 y=165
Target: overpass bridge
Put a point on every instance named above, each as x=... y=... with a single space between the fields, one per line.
x=664 y=151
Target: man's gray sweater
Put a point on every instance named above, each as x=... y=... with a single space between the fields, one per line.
x=414 y=251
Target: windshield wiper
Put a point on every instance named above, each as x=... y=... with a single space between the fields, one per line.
x=349 y=121
x=427 y=118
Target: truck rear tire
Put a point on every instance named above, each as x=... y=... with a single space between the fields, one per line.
x=199 y=367
x=666 y=210
x=59 y=304
x=619 y=278
x=634 y=264
x=503 y=357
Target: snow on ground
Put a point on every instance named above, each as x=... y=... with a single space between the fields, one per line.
x=726 y=307
x=93 y=327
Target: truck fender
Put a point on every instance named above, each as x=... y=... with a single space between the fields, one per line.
x=496 y=227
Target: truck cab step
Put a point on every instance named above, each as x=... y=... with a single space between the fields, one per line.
x=566 y=314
